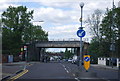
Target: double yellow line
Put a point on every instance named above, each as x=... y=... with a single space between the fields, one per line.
x=17 y=76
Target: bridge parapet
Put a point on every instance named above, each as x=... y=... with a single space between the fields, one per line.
x=70 y=39
x=58 y=44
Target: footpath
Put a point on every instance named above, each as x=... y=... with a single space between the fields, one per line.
x=96 y=72
x=9 y=69
x=105 y=67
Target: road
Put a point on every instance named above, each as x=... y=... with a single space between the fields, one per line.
x=63 y=72
x=47 y=71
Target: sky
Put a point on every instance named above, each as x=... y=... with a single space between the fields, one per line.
x=61 y=17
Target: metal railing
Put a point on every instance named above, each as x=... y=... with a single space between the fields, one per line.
x=70 y=39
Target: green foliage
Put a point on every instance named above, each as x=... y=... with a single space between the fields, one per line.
x=15 y=20
x=34 y=33
x=67 y=54
x=109 y=32
x=111 y=28
x=18 y=30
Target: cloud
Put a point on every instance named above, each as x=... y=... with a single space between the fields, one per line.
x=66 y=32
x=55 y=16
x=61 y=17
x=5 y=5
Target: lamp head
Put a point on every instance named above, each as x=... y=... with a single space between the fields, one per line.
x=81 y=4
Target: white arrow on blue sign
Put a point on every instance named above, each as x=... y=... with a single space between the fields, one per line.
x=87 y=59
x=81 y=33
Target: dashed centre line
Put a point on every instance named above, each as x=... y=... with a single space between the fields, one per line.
x=77 y=79
x=65 y=68
x=73 y=74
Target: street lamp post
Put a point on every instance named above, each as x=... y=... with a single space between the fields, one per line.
x=81 y=5
x=80 y=58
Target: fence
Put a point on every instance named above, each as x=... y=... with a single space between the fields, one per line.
x=109 y=61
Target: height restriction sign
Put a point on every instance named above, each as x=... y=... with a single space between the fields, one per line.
x=86 y=62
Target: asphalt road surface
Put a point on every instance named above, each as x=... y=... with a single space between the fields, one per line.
x=60 y=72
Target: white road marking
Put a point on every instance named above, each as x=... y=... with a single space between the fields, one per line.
x=73 y=74
x=77 y=79
x=65 y=68
x=68 y=67
x=63 y=65
x=67 y=71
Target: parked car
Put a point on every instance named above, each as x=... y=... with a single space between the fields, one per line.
x=70 y=60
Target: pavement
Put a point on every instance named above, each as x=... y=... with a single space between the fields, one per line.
x=96 y=71
x=8 y=69
x=105 y=67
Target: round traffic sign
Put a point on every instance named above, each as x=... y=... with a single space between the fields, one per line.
x=81 y=33
x=87 y=59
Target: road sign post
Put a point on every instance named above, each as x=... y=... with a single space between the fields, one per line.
x=26 y=56
x=80 y=33
x=86 y=62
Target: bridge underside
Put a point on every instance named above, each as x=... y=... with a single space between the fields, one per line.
x=37 y=51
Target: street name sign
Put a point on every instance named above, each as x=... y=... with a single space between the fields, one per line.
x=86 y=62
x=81 y=33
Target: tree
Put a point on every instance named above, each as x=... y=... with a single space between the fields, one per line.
x=34 y=33
x=15 y=20
x=67 y=54
x=110 y=29
x=18 y=30
x=93 y=22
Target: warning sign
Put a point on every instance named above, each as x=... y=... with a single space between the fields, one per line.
x=86 y=62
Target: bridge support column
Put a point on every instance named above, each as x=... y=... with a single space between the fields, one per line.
x=78 y=51
x=37 y=53
x=78 y=56
x=42 y=54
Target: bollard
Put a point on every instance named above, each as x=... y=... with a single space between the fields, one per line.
x=119 y=72
x=119 y=65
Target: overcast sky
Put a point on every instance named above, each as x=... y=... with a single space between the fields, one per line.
x=61 y=17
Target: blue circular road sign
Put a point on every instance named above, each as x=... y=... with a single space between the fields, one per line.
x=81 y=33
x=87 y=59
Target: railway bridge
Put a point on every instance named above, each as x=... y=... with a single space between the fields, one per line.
x=36 y=49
